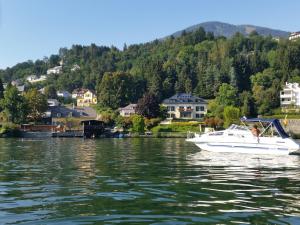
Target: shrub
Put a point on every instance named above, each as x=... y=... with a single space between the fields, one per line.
x=138 y=124
x=231 y=115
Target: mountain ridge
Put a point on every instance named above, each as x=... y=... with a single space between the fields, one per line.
x=228 y=30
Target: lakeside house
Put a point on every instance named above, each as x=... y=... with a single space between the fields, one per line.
x=63 y=94
x=54 y=70
x=294 y=36
x=290 y=96
x=128 y=110
x=185 y=106
x=87 y=99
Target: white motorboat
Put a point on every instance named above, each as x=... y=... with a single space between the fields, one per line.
x=239 y=138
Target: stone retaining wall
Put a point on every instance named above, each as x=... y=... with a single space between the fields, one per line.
x=293 y=126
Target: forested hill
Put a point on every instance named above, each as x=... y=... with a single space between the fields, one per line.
x=228 y=30
x=197 y=62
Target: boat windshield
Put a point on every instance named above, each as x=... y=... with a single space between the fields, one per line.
x=238 y=127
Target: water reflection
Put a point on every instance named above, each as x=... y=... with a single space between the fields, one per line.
x=142 y=181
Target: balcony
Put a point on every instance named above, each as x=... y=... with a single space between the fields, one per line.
x=185 y=110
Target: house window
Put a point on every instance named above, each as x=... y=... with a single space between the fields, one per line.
x=201 y=108
x=181 y=108
x=189 y=108
x=197 y=115
x=197 y=108
x=171 y=115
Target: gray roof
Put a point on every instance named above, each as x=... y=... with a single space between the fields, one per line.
x=184 y=98
x=69 y=111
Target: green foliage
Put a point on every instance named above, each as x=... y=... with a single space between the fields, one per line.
x=37 y=104
x=196 y=62
x=9 y=129
x=177 y=127
x=115 y=90
x=247 y=104
x=107 y=115
x=50 y=92
x=227 y=95
x=1 y=90
x=138 y=124
x=148 y=106
x=150 y=123
x=231 y=115
x=14 y=105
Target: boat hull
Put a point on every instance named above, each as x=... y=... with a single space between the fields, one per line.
x=244 y=148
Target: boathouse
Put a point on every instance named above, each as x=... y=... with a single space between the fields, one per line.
x=92 y=128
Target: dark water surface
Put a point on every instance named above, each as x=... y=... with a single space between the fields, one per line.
x=143 y=181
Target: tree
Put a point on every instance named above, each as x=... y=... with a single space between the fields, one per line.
x=227 y=95
x=148 y=106
x=14 y=105
x=138 y=124
x=1 y=90
x=247 y=104
x=37 y=104
x=50 y=92
x=115 y=90
x=231 y=115
x=1 y=93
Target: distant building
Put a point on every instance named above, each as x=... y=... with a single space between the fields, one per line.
x=78 y=93
x=21 y=88
x=290 y=95
x=34 y=78
x=294 y=35
x=75 y=67
x=128 y=110
x=54 y=70
x=63 y=94
x=185 y=106
x=52 y=102
x=16 y=82
x=42 y=90
x=88 y=98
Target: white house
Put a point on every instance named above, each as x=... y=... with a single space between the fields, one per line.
x=75 y=67
x=64 y=94
x=54 y=70
x=290 y=95
x=185 y=106
x=21 y=88
x=294 y=35
x=128 y=110
x=52 y=102
x=34 y=78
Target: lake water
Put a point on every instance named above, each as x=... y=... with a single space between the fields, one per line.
x=143 y=181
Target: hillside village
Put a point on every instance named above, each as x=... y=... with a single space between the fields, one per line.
x=188 y=98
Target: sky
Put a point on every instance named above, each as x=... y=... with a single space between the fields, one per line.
x=32 y=29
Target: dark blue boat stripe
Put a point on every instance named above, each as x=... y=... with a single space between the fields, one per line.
x=241 y=146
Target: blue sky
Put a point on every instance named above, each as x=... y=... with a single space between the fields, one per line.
x=32 y=29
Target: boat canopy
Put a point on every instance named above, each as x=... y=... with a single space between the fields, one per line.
x=274 y=122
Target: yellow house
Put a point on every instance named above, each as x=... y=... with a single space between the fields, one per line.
x=87 y=99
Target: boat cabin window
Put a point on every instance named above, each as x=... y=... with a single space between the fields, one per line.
x=238 y=127
x=216 y=134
